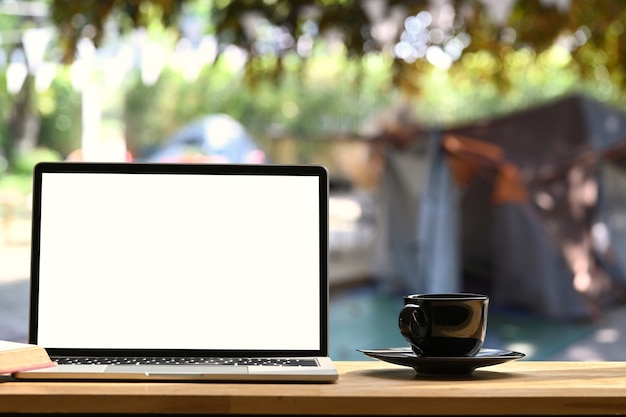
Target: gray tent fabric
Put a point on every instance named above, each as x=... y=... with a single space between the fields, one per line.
x=398 y=195
x=527 y=218
x=418 y=245
x=610 y=230
x=438 y=262
x=533 y=275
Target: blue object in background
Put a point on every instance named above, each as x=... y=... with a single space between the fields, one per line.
x=214 y=138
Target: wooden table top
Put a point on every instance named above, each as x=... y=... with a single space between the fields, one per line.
x=364 y=388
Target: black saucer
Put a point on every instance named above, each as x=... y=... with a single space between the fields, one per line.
x=447 y=365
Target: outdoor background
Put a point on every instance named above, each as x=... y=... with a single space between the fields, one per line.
x=327 y=82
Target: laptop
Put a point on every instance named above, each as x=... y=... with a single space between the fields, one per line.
x=201 y=272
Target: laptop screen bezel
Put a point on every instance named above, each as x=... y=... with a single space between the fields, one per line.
x=317 y=171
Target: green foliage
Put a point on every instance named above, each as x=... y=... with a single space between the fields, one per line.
x=6 y=103
x=337 y=86
x=59 y=108
x=26 y=161
x=152 y=111
x=305 y=107
x=468 y=92
x=587 y=27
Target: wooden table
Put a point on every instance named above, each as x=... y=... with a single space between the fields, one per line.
x=364 y=388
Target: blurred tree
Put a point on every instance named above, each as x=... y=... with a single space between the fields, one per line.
x=17 y=111
x=487 y=43
x=419 y=33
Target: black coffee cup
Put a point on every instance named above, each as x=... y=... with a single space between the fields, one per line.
x=441 y=325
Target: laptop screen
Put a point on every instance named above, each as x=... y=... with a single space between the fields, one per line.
x=167 y=256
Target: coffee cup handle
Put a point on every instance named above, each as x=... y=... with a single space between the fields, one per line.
x=411 y=318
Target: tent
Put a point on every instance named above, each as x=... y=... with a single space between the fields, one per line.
x=527 y=207
x=213 y=138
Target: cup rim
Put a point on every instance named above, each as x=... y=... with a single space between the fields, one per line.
x=447 y=296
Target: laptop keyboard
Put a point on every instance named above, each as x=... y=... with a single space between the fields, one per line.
x=186 y=361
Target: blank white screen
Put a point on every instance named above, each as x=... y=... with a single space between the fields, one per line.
x=179 y=261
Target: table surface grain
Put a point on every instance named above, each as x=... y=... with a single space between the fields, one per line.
x=364 y=388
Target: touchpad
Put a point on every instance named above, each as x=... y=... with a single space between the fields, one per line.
x=179 y=369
